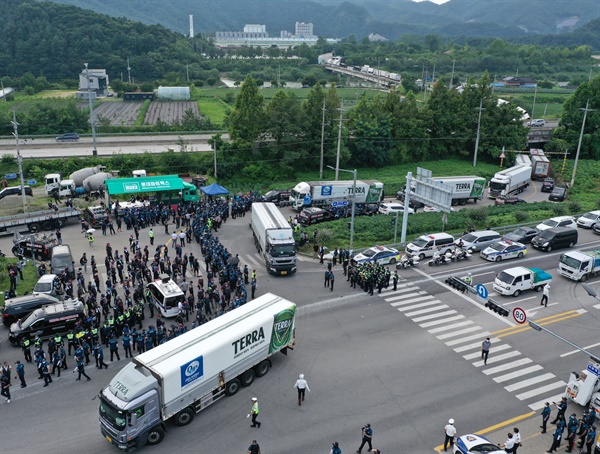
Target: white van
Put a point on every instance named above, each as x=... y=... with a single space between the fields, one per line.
x=427 y=245
x=165 y=295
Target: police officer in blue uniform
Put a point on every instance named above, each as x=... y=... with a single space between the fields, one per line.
x=367 y=437
x=113 y=344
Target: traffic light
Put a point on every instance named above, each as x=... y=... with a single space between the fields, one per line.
x=497 y=308
x=456 y=283
x=393 y=222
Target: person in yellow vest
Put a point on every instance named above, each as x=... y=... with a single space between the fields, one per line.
x=91 y=240
x=254 y=412
x=151 y=235
x=71 y=340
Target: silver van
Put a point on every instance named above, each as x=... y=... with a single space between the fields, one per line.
x=427 y=245
x=479 y=239
x=61 y=260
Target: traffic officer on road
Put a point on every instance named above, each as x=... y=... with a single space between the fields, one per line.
x=254 y=412
x=21 y=374
x=301 y=385
x=367 y=437
x=26 y=345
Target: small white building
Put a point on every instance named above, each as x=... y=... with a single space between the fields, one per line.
x=97 y=83
x=173 y=93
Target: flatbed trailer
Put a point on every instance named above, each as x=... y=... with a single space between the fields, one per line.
x=37 y=220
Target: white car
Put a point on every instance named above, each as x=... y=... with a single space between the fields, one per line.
x=393 y=208
x=428 y=209
x=540 y=122
x=476 y=444
x=503 y=250
x=558 y=221
x=588 y=220
x=378 y=254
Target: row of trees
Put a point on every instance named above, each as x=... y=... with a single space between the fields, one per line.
x=285 y=134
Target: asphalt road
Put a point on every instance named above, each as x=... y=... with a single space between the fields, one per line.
x=403 y=361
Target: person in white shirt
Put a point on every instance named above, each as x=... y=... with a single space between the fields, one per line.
x=509 y=444
x=517 y=439
x=302 y=386
x=450 y=432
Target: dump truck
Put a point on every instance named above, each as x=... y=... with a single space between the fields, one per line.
x=323 y=193
x=274 y=238
x=187 y=374
x=579 y=265
x=513 y=281
x=510 y=181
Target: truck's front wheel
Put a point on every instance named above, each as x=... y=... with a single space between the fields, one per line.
x=184 y=417
x=155 y=436
x=584 y=278
x=232 y=387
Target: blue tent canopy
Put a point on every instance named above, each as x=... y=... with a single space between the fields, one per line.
x=214 y=189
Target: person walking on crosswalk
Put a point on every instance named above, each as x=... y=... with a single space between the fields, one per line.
x=545 y=295
x=485 y=349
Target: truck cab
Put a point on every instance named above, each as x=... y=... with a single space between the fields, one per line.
x=52 y=182
x=584 y=387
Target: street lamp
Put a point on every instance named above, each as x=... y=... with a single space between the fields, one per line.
x=353 y=172
x=590 y=291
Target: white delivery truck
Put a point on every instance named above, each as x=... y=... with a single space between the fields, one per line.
x=540 y=167
x=187 y=374
x=464 y=188
x=510 y=181
x=515 y=280
x=322 y=193
x=584 y=387
x=274 y=238
x=579 y=265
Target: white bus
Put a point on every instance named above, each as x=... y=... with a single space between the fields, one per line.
x=165 y=294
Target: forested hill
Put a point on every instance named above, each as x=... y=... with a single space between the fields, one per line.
x=56 y=40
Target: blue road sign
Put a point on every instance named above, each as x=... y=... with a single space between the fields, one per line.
x=482 y=291
x=343 y=203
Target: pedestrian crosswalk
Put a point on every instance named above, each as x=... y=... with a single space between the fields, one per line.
x=519 y=375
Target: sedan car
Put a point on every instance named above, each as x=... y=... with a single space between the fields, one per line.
x=558 y=221
x=521 y=235
x=508 y=200
x=68 y=137
x=378 y=254
x=393 y=208
x=559 y=194
x=548 y=185
x=503 y=250
x=476 y=444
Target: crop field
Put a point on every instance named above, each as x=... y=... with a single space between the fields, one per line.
x=118 y=113
x=169 y=112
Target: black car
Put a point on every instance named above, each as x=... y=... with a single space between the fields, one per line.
x=559 y=194
x=411 y=203
x=40 y=247
x=508 y=200
x=68 y=137
x=280 y=198
x=548 y=185
x=310 y=216
x=21 y=306
x=521 y=235
x=15 y=190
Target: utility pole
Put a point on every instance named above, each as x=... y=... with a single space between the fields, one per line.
x=187 y=71
x=533 y=108
x=452 y=76
x=3 y=93
x=585 y=112
x=215 y=156
x=92 y=119
x=322 y=140
x=19 y=160
x=128 y=71
x=339 y=144
x=480 y=109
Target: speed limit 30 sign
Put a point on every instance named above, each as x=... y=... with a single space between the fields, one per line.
x=519 y=315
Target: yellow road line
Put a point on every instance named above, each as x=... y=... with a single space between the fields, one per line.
x=525 y=328
x=543 y=319
x=508 y=422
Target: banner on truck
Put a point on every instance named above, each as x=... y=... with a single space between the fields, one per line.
x=374 y=194
x=478 y=187
x=283 y=326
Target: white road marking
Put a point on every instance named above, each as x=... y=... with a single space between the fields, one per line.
x=416 y=306
x=449 y=327
x=481 y=335
x=477 y=354
x=572 y=352
x=517 y=373
x=542 y=403
x=507 y=366
x=459 y=333
x=542 y=390
x=432 y=316
x=529 y=382
x=498 y=358
x=439 y=322
x=425 y=311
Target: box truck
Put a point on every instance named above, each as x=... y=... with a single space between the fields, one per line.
x=322 y=193
x=274 y=238
x=510 y=181
x=187 y=374
x=579 y=265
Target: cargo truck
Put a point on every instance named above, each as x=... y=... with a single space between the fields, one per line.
x=579 y=265
x=540 y=167
x=510 y=181
x=38 y=220
x=322 y=193
x=274 y=238
x=515 y=280
x=189 y=373
x=583 y=388
x=464 y=188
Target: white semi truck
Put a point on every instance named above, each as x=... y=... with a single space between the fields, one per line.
x=187 y=374
x=464 y=188
x=510 y=181
x=274 y=238
x=579 y=265
x=322 y=193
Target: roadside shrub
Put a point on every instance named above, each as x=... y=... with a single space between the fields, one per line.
x=478 y=215
x=521 y=216
x=559 y=209
x=575 y=207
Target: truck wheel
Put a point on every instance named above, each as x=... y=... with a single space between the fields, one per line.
x=47 y=225
x=232 y=387
x=34 y=227
x=584 y=278
x=262 y=368
x=517 y=293
x=38 y=257
x=248 y=377
x=539 y=288
x=184 y=417
x=155 y=436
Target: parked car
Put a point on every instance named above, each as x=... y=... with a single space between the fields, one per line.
x=588 y=220
x=68 y=137
x=476 y=444
x=559 y=194
x=15 y=190
x=548 y=185
x=558 y=221
x=508 y=200
x=503 y=250
x=378 y=254
x=537 y=122
x=393 y=208
x=478 y=240
x=596 y=228
x=521 y=235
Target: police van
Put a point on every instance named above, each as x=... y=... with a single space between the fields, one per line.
x=427 y=245
x=165 y=295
